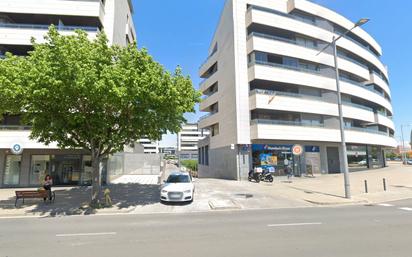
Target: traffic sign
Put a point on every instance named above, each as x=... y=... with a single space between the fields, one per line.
x=297 y=150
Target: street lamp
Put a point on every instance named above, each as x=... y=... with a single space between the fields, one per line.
x=341 y=122
x=403 y=142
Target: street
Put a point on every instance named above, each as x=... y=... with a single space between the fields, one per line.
x=367 y=230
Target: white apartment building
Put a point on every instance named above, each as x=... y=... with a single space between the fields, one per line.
x=187 y=140
x=24 y=162
x=150 y=147
x=266 y=90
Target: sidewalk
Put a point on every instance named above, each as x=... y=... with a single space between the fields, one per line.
x=142 y=196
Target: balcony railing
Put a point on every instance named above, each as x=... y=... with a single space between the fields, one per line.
x=286 y=40
x=14 y=127
x=285 y=66
x=207 y=116
x=359 y=84
x=357 y=106
x=46 y=27
x=353 y=60
x=287 y=123
x=313 y=23
x=210 y=56
x=365 y=130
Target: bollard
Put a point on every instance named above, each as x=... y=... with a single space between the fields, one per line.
x=366 y=186
x=384 y=184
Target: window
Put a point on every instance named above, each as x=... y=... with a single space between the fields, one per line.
x=40 y=167
x=12 y=170
x=215 y=129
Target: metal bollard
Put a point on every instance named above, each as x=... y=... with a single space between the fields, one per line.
x=384 y=184
x=366 y=186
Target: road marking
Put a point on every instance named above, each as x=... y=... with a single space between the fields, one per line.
x=294 y=224
x=386 y=205
x=88 y=234
x=405 y=209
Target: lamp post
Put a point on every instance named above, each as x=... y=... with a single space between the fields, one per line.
x=341 y=121
x=403 y=143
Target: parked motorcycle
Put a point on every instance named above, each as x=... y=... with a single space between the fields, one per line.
x=266 y=176
x=254 y=176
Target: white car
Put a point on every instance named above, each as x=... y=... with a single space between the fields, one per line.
x=177 y=188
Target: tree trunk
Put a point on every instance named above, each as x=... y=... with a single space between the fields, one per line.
x=97 y=180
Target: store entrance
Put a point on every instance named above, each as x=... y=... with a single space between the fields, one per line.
x=66 y=169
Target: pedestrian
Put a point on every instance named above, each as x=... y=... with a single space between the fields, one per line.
x=48 y=182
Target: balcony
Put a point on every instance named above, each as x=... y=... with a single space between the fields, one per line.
x=286 y=22
x=290 y=130
x=291 y=48
x=296 y=131
x=21 y=34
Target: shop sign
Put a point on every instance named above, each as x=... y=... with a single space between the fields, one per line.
x=16 y=149
x=282 y=148
x=297 y=150
x=312 y=149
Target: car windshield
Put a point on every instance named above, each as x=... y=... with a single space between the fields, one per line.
x=178 y=178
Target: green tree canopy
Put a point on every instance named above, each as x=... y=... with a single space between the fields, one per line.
x=11 y=81
x=83 y=93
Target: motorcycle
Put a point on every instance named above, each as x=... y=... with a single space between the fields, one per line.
x=254 y=176
x=266 y=176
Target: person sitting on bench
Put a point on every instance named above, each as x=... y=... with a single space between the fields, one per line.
x=48 y=182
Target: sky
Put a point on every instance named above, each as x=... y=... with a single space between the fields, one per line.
x=179 y=33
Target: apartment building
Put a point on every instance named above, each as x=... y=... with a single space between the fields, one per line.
x=149 y=146
x=24 y=162
x=187 y=140
x=267 y=90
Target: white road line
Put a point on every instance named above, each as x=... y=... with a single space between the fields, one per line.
x=386 y=204
x=294 y=224
x=88 y=234
x=405 y=209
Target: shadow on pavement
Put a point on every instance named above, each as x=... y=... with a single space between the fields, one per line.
x=74 y=201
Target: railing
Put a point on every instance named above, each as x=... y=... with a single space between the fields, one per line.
x=259 y=8
x=357 y=106
x=357 y=43
x=361 y=85
x=380 y=76
x=46 y=27
x=287 y=122
x=207 y=116
x=290 y=94
x=277 y=38
x=290 y=67
x=14 y=127
x=210 y=56
x=367 y=130
x=353 y=60
x=308 y=22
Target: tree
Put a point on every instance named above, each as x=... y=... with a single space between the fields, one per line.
x=86 y=94
x=11 y=91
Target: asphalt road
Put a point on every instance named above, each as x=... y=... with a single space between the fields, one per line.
x=361 y=231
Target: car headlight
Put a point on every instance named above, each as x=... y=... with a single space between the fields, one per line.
x=188 y=191
x=164 y=191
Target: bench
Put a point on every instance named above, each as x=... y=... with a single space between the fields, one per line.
x=33 y=194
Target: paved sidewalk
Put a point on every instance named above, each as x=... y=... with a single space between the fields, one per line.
x=214 y=194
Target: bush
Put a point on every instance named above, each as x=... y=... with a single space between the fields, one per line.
x=190 y=164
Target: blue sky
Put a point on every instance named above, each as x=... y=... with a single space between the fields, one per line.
x=179 y=33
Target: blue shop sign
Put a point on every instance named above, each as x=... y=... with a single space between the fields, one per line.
x=312 y=149
x=262 y=147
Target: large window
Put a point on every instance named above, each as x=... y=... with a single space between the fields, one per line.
x=357 y=157
x=12 y=170
x=40 y=167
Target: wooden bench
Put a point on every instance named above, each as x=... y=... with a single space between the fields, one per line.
x=33 y=194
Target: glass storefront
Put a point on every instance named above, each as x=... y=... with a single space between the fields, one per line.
x=357 y=157
x=12 y=170
x=40 y=167
x=64 y=169
x=273 y=156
